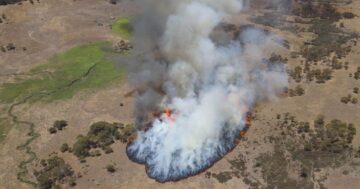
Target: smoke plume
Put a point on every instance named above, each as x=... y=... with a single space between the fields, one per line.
x=207 y=87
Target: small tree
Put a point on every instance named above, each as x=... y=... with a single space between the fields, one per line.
x=110 y=168
x=356 y=90
x=299 y=90
x=64 y=148
x=344 y=100
x=52 y=130
x=348 y=15
x=354 y=100
x=60 y=124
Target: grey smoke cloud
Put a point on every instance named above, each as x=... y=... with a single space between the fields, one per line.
x=209 y=88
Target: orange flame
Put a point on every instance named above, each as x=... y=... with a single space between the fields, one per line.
x=168 y=113
x=247 y=125
x=248 y=120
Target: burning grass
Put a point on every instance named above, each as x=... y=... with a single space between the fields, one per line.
x=167 y=115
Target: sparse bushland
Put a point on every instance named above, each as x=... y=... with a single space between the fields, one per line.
x=329 y=38
x=320 y=76
x=329 y=41
x=312 y=146
x=101 y=135
x=298 y=91
x=327 y=144
x=54 y=173
x=304 y=147
x=349 y=99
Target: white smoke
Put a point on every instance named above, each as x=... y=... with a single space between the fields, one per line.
x=210 y=89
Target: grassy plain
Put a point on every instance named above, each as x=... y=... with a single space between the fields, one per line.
x=66 y=74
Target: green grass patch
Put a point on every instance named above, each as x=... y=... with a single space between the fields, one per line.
x=123 y=27
x=82 y=67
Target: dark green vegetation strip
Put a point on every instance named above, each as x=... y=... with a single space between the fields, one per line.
x=63 y=69
x=122 y=27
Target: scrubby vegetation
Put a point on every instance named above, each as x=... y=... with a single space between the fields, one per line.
x=357 y=74
x=329 y=38
x=323 y=145
x=66 y=74
x=276 y=58
x=299 y=147
x=330 y=42
x=53 y=173
x=6 y=2
x=334 y=137
x=101 y=135
x=349 y=99
x=298 y=91
x=277 y=20
x=318 y=75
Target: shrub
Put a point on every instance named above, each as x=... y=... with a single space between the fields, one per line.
x=65 y=147
x=60 y=124
x=52 y=130
x=82 y=147
x=299 y=90
x=345 y=100
x=110 y=168
x=348 y=15
x=354 y=100
x=356 y=90
x=108 y=150
x=97 y=153
x=44 y=182
x=72 y=183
